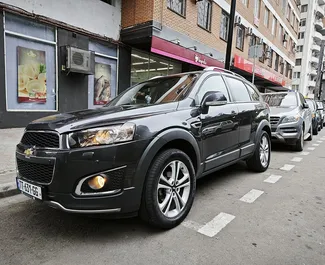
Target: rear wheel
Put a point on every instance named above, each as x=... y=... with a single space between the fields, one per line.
x=300 y=142
x=315 y=131
x=310 y=138
x=169 y=189
x=260 y=160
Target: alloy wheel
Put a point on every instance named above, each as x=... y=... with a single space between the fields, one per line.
x=264 y=151
x=173 y=189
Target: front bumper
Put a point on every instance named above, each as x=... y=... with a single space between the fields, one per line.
x=69 y=167
x=287 y=133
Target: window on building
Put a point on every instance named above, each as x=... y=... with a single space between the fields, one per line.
x=252 y=41
x=240 y=38
x=276 y=64
x=288 y=67
x=274 y=22
x=298 y=62
x=281 y=66
x=304 y=8
x=224 y=26
x=302 y=23
x=177 y=6
x=301 y=35
x=296 y=75
x=292 y=19
x=266 y=17
x=204 y=14
x=270 y=62
x=297 y=25
x=299 y=48
x=288 y=13
x=285 y=40
x=257 y=9
x=110 y=2
x=280 y=32
x=238 y=90
x=262 y=58
x=245 y=2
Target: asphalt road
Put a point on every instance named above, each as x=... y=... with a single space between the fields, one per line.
x=237 y=218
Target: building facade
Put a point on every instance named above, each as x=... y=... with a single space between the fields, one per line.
x=38 y=38
x=309 y=49
x=179 y=35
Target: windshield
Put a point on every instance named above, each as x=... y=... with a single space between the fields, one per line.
x=281 y=99
x=311 y=104
x=156 y=91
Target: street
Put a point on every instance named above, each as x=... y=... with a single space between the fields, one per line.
x=238 y=217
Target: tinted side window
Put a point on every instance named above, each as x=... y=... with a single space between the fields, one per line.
x=213 y=83
x=238 y=90
x=254 y=95
x=302 y=99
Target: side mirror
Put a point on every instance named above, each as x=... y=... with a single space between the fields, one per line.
x=212 y=98
x=305 y=105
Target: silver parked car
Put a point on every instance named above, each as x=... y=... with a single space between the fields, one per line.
x=291 y=118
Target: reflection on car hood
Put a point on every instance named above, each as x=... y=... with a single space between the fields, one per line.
x=283 y=111
x=90 y=118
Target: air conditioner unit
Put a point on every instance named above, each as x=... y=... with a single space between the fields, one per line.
x=285 y=38
x=237 y=20
x=80 y=61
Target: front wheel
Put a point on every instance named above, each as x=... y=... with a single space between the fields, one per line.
x=310 y=138
x=300 y=142
x=169 y=189
x=260 y=160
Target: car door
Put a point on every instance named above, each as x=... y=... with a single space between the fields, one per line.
x=219 y=126
x=248 y=110
x=306 y=113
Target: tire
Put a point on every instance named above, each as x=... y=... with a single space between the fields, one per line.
x=315 y=131
x=300 y=142
x=159 y=206
x=310 y=138
x=258 y=163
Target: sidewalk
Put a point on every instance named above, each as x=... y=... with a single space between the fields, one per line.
x=9 y=139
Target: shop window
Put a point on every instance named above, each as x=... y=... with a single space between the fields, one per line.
x=204 y=14
x=147 y=65
x=224 y=26
x=270 y=62
x=240 y=38
x=102 y=86
x=276 y=64
x=30 y=65
x=177 y=6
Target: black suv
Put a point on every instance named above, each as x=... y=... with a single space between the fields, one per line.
x=142 y=152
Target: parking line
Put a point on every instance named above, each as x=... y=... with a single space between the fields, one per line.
x=319 y=142
x=311 y=148
x=251 y=196
x=287 y=167
x=192 y=225
x=216 y=224
x=304 y=153
x=296 y=159
x=315 y=144
x=272 y=179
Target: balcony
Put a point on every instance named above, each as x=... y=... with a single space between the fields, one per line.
x=318 y=37
x=319 y=25
x=299 y=55
x=304 y=15
x=319 y=11
x=315 y=47
x=296 y=81
x=314 y=60
x=313 y=72
x=321 y=2
x=311 y=83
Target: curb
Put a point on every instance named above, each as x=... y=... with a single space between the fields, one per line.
x=8 y=189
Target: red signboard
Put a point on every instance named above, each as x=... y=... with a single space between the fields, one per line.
x=180 y=53
x=247 y=66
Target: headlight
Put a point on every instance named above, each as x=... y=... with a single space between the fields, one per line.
x=102 y=136
x=291 y=119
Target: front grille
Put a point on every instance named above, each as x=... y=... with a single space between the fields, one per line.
x=273 y=129
x=274 y=120
x=40 y=173
x=41 y=139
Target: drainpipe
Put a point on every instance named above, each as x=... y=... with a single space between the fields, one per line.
x=319 y=71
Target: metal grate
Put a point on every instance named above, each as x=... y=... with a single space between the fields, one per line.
x=115 y=179
x=35 y=172
x=289 y=130
x=274 y=120
x=41 y=139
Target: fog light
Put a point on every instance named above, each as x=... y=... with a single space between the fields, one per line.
x=96 y=183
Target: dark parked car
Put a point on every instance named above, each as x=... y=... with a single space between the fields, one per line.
x=142 y=152
x=320 y=111
x=315 y=116
x=291 y=119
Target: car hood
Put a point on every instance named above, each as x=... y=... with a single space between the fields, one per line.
x=90 y=118
x=283 y=111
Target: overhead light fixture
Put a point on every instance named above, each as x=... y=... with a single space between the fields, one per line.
x=193 y=47
x=177 y=41
x=209 y=53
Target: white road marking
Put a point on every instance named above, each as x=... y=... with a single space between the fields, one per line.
x=251 y=196
x=315 y=144
x=192 y=225
x=272 y=179
x=323 y=139
x=7 y=202
x=319 y=142
x=216 y=224
x=287 y=167
x=311 y=148
x=296 y=159
x=304 y=153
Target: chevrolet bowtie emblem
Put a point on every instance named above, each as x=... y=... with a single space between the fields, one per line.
x=29 y=152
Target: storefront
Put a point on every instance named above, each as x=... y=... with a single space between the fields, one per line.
x=34 y=82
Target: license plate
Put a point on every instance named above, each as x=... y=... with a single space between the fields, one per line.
x=30 y=189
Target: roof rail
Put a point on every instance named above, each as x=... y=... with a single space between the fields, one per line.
x=213 y=68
